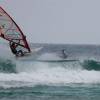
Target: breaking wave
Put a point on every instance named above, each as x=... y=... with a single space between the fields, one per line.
x=19 y=73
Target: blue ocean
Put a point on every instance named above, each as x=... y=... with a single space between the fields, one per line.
x=28 y=79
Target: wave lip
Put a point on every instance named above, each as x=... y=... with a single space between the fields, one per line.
x=91 y=65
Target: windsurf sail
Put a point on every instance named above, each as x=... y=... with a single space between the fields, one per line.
x=10 y=31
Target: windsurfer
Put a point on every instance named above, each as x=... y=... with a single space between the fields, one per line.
x=14 y=50
x=10 y=31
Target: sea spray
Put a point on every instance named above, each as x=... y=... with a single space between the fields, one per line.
x=37 y=73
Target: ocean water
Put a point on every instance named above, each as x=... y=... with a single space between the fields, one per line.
x=27 y=79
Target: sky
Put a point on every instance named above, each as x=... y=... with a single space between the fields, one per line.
x=57 y=21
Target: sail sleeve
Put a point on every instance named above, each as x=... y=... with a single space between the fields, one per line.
x=10 y=31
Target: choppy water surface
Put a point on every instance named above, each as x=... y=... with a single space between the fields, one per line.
x=32 y=80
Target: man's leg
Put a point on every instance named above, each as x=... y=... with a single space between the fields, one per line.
x=20 y=53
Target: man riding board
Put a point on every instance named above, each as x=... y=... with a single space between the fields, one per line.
x=13 y=47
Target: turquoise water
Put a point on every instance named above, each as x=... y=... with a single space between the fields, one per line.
x=70 y=92
x=31 y=80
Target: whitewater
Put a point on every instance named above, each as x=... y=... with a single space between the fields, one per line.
x=51 y=79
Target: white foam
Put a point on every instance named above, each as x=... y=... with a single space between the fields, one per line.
x=45 y=74
x=5 y=51
x=49 y=56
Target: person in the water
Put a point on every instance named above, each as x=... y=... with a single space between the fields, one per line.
x=14 y=50
x=64 y=55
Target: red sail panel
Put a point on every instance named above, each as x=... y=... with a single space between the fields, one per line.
x=10 y=31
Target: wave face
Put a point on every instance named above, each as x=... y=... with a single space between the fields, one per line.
x=18 y=73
